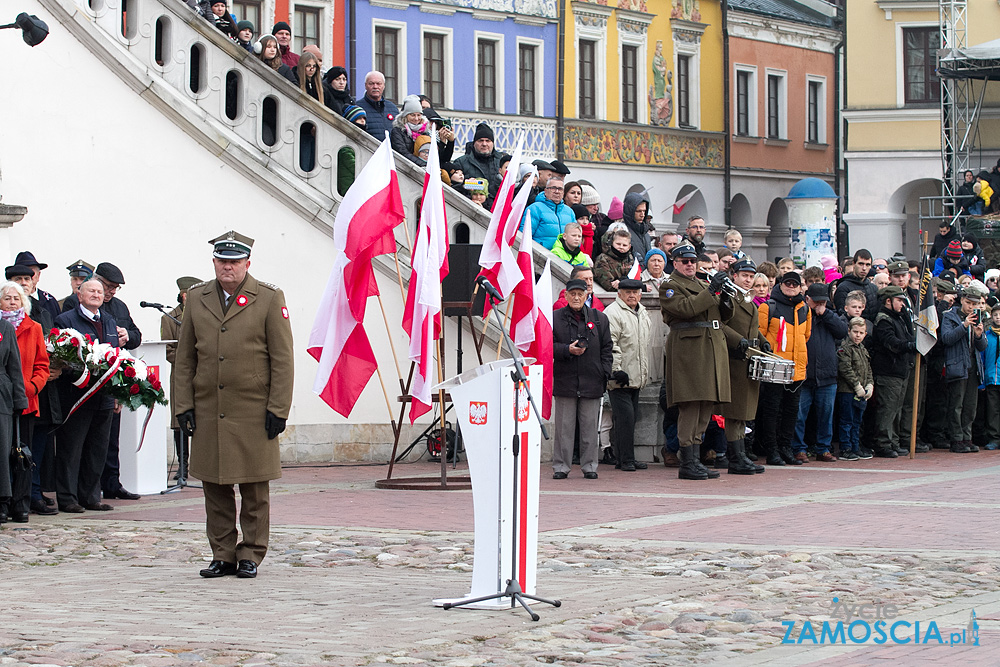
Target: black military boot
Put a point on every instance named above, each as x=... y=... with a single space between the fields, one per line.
x=691 y=467
x=738 y=463
x=773 y=457
x=788 y=457
x=746 y=457
x=958 y=447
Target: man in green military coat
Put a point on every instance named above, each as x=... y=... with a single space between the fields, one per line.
x=697 y=372
x=742 y=332
x=233 y=376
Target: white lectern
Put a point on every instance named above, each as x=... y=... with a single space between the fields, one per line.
x=484 y=404
x=142 y=470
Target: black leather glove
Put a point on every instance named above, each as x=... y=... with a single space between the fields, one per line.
x=743 y=347
x=621 y=377
x=764 y=345
x=911 y=346
x=717 y=281
x=273 y=425
x=186 y=421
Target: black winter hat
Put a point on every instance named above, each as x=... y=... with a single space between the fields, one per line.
x=483 y=131
x=110 y=272
x=580 y=211
x=244 y=25
x=18 y=270
x=334 y=72
x=280 y=25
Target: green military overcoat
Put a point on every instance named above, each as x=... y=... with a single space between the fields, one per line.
x=743 y=324
x=232 y=368
x=697 y=359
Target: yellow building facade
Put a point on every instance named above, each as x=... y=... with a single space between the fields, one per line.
x=893 y=117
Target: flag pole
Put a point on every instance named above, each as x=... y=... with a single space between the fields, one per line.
x=388 y=333
x=388 y=406
x=441 y=409
x=399 y=274
x=506 y=322
x=916 y=371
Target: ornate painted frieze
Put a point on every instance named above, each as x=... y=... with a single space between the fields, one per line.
x=616 y=145
x=544 y=8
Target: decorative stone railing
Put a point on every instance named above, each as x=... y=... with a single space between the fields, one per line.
x=240 y=109
x=540 y=133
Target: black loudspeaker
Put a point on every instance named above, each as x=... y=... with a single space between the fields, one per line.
x=460 y=283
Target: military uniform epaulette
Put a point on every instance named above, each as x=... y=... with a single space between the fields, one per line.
x=201 y=284
x=274 y=288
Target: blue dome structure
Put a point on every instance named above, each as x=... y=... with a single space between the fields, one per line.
x=811 y=188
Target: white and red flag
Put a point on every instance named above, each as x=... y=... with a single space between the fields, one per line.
x=523 y=312
x=541 y=346
x=363 y=229
x=679 y=204
x=496 y=259
x=635 y=273
x=422 y=312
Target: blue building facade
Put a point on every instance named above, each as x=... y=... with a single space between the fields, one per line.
x=486 y=57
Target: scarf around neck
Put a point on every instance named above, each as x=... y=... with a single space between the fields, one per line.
x=15 y=317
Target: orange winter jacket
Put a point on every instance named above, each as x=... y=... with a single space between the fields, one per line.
x=798 y=327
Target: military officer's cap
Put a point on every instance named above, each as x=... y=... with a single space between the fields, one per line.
x=898 y=268
x=184 y=283
x=890 y=292
x=745 y=264
x=18 y=270
x=975 y=290
x=232 y=245
x=27 y=258
x=110 y=272
x=81 y=269
x=576 y=283
x=944 y=286
x=684 y=250
x=629 y=283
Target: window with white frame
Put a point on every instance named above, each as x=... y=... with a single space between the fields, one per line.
x=591 y=38
x=489 y=72
x=389 y=57
x=437 y=67
x=687 y=79
x=529 y=76
x=306 y=27
x=632 y=62
x=777 y=121
x=745 y=98
x=815 y=109
x=248 y=10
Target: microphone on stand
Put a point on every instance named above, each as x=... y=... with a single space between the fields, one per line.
x=485 y=283
x=150 y=304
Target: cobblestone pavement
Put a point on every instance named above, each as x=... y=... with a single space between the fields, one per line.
x=650 y=571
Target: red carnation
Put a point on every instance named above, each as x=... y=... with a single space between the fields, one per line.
x=53 y=332
x=74 y=342
x=89 y=339
x=134 y=389
x=129 y=372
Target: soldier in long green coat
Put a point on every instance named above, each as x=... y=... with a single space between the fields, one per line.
x=697 y=369
x=742 y=332
x=233 y=377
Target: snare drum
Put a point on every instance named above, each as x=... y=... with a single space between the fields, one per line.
x=771 y=369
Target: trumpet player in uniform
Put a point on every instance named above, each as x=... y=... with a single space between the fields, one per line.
x=742 y=332
x=697 y=370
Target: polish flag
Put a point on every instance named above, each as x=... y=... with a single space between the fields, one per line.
x=363 y=229
x=541 y=346
x=635 y=273
x=523 y=311
x=422 y=311
x=499 y=265
x=679 y=204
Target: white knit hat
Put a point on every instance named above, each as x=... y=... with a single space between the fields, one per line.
x=590 y=195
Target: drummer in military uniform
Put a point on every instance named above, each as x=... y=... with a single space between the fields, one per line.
x=697 y=368
x=742 y=332
x=233 y=380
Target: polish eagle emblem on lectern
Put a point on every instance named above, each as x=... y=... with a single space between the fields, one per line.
x=477 y=413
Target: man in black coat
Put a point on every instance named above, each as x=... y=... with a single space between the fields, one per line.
x=858 y=280
x=581 y=350
x=893 y=352
x=83 y=438
x=44 y=300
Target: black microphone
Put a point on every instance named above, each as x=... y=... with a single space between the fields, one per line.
x=149 y=304
x=485 y=283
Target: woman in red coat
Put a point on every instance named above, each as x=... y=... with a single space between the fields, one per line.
x=15 y=308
